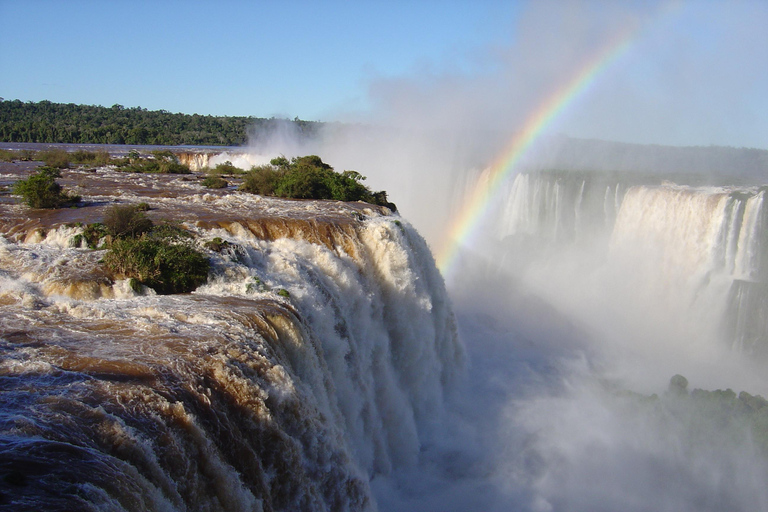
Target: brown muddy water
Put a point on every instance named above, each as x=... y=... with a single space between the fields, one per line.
x=235 y=396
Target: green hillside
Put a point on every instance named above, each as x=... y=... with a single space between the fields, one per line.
x=80 y=124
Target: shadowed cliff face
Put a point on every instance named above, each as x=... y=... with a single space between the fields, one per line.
x=316 y=357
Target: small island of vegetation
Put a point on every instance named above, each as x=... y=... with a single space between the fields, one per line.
x=163 y=257
x=42 y=191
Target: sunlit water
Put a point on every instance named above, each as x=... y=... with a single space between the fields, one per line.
x=581 y=298
x=239 y=396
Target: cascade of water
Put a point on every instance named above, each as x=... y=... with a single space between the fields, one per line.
x=748 y=257
x=682 y=246
x=559 y=206
x=594 y=331
x=235 y=397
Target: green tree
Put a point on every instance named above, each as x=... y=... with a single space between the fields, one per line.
x=261 y=180
x=69 y=123
x=214 y=182
x=303 y=181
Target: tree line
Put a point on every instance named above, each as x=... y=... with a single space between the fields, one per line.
x=45 y=121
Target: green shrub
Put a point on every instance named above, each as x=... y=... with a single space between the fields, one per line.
x=280 y=162
x=166 y=266
x=7 y=156
x=227 y=168
x=157 y=167
x=304 y=182
x=100 y=158
x=678 y=385
x=308 y=177
x=164 y=154
x=261 y=180
x=27 y=155
x=93 y=233
x=42 y=191
x=217 y=244
x=76 y=241
x=126 y=221
x=172 y=232
x=57 y=158
x=215 y=182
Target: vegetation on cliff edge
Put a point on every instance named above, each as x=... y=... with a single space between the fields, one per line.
x=308 y=177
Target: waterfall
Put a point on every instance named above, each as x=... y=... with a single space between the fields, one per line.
x=560 y=206
x=321 y=367
x=626 y=283
x=677 y=244
x=234 y=397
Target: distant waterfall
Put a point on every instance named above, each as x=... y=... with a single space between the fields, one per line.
x=705 y=244
x=696 y=230
x=560 y=207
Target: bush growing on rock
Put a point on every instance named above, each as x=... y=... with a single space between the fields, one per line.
x=161 y=162
x=57 y=158
x=227 y=169
x=99 y=158
x=214 y=182
x=165 y=266
x=42 y=191
x=217 y=244
x=261 y=180
x=308 y=177
x=164 y=259
x=127 y=220
x=92 y=234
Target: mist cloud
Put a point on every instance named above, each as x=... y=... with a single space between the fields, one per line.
x=694 y=74
x=542 y=423
x=545 y=428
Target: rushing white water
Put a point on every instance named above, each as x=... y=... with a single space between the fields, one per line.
x=315 y=358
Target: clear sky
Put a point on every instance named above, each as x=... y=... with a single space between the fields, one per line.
x=279 y=57
x=695 y=73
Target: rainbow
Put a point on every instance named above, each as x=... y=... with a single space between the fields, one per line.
x=535 y=125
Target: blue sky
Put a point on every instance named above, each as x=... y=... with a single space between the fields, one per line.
x=696 y=74
x=261 y=58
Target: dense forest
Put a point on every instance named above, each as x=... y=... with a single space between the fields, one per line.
x=79 y=124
